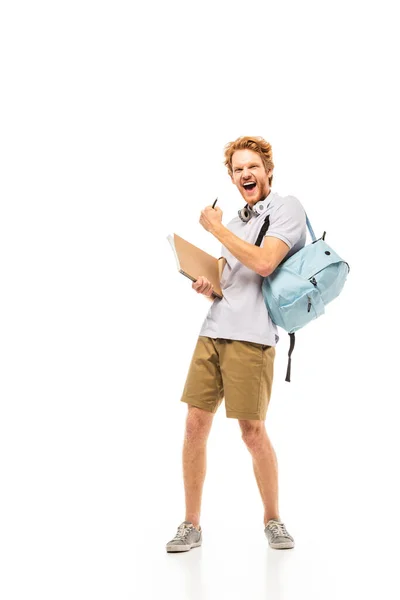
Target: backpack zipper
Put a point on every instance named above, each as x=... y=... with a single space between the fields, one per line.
x=314 y=282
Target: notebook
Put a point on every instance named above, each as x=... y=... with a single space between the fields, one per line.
x=194 y=262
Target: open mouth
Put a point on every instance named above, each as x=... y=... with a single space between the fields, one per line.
x=249 y=186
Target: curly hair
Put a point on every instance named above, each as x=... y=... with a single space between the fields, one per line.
x=256 y=144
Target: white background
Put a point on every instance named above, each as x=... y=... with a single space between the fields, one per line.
x=114 y=116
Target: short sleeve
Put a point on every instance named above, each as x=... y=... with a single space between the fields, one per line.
x=287 y=221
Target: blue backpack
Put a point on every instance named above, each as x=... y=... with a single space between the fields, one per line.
x=300 y=287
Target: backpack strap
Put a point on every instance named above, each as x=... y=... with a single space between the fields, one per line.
x=260 y=237
x=263 y=231
x=310 y=229
x=292 y=342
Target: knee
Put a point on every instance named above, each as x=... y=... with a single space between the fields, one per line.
x=198 y=424
x=252 y=434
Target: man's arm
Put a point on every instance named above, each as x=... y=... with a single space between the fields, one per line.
x=261 y=260
x=284 y=231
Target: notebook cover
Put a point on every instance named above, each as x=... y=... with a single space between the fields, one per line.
x=195 y=263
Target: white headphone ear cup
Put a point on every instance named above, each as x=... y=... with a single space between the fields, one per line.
x=259 y=208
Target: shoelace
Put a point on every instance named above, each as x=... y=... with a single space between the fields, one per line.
x=278 y=529
x=183 y=531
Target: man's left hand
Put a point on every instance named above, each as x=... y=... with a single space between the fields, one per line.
x=211 y=218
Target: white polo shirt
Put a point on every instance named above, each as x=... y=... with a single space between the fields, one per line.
x=241 y=314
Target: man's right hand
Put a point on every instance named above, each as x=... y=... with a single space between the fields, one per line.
x=203 y=286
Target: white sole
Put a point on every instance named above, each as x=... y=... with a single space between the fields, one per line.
x=185 y=548
x=282 y=546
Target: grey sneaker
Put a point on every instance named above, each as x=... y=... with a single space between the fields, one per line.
x=277 y=535
x=187 y=537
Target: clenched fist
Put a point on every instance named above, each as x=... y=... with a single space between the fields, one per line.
x=211 y=218
x=203 y=286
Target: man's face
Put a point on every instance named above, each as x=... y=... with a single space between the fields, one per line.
x=249 y=176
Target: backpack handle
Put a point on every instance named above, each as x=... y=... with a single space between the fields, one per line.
x=310 y=229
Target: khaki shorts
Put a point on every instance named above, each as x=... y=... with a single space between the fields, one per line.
x=242 y=372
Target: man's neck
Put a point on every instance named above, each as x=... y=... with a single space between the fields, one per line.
x=261 y=199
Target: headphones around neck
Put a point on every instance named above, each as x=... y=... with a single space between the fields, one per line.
x=247 y=212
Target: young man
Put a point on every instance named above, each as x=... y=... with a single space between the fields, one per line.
x=235 y=351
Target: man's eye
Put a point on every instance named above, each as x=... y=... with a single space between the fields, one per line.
x=237 y=170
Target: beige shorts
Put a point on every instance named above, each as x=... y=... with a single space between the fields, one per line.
x=242 y=372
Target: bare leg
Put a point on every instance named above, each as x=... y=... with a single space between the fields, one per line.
x=265 y=465
x=194 y=459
